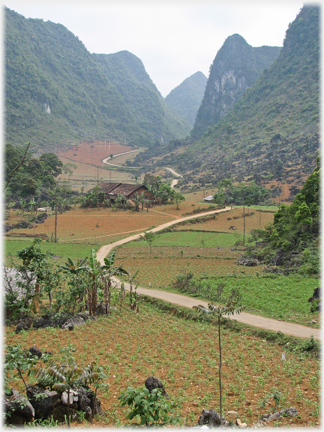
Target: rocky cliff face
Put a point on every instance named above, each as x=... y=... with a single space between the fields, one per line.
x=236 y=67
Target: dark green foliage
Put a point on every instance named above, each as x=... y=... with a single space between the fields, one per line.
x=299 y=221
x=152 y=408
x=158 y=122
x=33 y=175
x=240 y=194
x=56 y=92
x=296 y=227
x=19 y=362
x=185 y=99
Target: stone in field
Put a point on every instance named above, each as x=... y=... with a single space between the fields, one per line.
x=152 y=383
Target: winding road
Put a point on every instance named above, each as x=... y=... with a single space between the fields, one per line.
x=284 y=327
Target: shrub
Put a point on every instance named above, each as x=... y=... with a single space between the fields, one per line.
x=152 y=408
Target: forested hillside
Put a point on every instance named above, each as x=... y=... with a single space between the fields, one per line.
x=186 y=98
x=272 y=133
x=127 y=73
x=236 y=67
x=292 y=241
x=57 y=94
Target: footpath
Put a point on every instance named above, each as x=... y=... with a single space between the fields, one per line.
x=284 y=327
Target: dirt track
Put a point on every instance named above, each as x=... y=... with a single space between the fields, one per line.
x=291 y=329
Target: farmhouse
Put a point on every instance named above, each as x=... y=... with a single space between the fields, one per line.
x=112 y=190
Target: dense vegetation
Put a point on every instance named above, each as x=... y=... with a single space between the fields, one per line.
x=58 y=94
x=127 y=73
x=33 y=175
x=241 y=194
x=185 y=99
x=236 y=67
x=293 y=239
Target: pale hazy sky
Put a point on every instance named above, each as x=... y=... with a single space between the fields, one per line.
x=174 y=39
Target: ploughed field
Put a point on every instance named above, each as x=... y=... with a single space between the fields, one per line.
x=93 y=152
x=184 y=355
x=101 y=226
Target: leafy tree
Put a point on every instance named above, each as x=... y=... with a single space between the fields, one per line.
x=29 y=276
x=178 y=198
x=149 y=237
x=51 y=281
x=29 y=187
x=18 y=362
x=51 y=164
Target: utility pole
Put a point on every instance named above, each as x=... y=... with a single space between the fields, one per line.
x=55 y=224
x=243 y=224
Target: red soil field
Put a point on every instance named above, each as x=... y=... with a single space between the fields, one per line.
x=93 y=153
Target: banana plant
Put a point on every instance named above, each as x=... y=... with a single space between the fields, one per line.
x=75 y=270
x=94 y=271
x=32 y=204
x=109 y=270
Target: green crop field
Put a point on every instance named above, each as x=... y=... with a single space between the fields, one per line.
x=192 y=239
x=61 y=250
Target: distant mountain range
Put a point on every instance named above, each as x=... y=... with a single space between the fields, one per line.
x=58 y=94
x=271 y=134
x=186 y=98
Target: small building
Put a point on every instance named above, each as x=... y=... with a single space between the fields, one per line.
x=210 y=198
x=112 y=190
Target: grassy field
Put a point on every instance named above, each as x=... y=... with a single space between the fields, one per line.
x=184 y=355
x=61 y=251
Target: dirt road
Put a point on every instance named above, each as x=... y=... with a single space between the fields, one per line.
x=174 y=173
x=287 y=328
x=116 y=155
x=104 y=250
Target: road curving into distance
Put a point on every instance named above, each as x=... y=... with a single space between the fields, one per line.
x=291 y=329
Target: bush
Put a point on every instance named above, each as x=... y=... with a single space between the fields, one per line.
x=152 y=408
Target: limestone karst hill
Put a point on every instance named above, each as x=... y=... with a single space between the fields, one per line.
x=57 y=93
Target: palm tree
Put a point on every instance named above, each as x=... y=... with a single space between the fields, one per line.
x=32 y=204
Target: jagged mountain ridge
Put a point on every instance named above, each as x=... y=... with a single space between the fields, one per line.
x=272 y=133
x=56 y=93
x=185 y=99
x=273 y=130
x=127 y=73
x=236 y=67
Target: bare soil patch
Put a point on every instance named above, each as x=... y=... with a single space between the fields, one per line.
x=184 y=356
x=93 y=153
